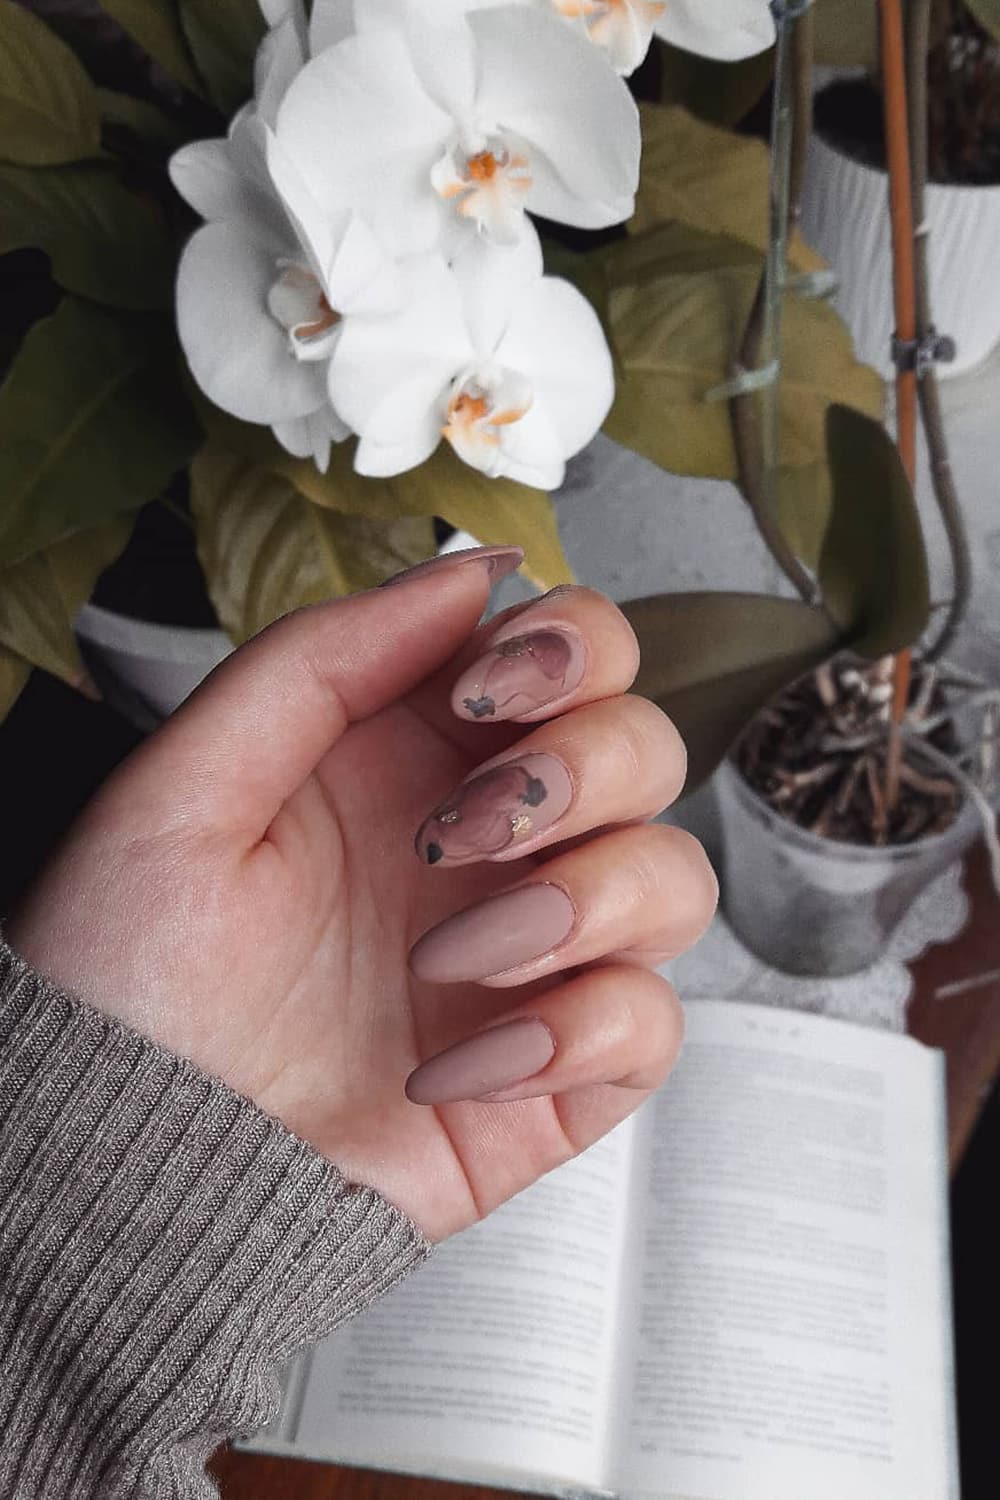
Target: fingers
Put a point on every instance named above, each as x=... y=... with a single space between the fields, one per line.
x=611 y=1025
x=641 y=895
x=253 y=732
x=617 y=761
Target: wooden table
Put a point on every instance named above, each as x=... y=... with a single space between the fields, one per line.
x=964 y=1020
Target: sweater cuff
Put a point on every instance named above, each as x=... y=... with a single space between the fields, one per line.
x=164 y=1246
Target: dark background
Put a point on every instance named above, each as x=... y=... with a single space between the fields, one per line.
x=56 y=748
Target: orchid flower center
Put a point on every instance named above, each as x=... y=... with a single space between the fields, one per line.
x=488 y=186
x=481 y=405
x=297 y=301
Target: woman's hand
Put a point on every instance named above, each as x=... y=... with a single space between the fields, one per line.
x=246 y=889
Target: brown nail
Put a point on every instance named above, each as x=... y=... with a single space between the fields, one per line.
x=520 y=675
x=499 y=561
x=496 y=935
x=497 y=810
x=484 y=1064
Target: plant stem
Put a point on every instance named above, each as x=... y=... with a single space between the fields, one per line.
x=918 y=32
x=904 y=295
x=754 y=414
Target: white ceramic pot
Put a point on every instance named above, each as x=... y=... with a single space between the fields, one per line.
x=845 y=215
x=145 y=671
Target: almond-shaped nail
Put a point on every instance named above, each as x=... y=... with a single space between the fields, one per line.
x=496 y=935
x=484 y=1064
x=520 y=675
x=499 y=561
x=497 y=810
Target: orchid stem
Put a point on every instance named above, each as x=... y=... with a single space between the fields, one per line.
x=754 y=414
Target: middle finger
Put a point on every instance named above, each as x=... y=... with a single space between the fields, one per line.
x=617 y=761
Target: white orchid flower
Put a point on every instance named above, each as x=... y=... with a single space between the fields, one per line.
x=264 y=286
x=724 y=29
x=430 y=128
x=510 y=367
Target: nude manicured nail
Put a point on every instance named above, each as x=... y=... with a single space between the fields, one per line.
x=495 y=936
x=496 y=810
x=499 y=561
x=484 y=1064
x=520 y=675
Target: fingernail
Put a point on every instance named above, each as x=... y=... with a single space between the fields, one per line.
x=503 y=807
x=498 y=560
x=484 y=1064
x=519 y=675
x=495 y=936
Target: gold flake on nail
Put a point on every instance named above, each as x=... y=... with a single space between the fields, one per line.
x=521 y=824
x=454 y=816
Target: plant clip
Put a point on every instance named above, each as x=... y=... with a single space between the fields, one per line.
x=789 y=10
x=920 y=355
x=743 y=381
x=813 y=284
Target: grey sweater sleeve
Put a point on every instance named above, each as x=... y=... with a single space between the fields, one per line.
x=164 y=1246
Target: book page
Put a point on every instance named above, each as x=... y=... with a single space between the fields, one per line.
x=495 y=1358
x=791 y=1324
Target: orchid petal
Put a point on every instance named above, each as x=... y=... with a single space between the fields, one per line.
x=491 y=279
x=332 y=21
x=556 y=339
x=310 y=436
x=624 y=29
x=237 y=352
x=545 y=83
x=365 y=134
x=280 y=58
x=531 y=452
x=723 y=29
x=383 y=460
x=207 y=175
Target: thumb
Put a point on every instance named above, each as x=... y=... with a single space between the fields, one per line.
x=258 y=726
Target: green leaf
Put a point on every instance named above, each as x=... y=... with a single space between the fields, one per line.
x=873 y=567
x=48 y=108
x=103 y=241
x=143 y=120
x=41 y=596
x=719 y=92
x=492 y=510
x=676 y=304
x=987 y=13
x=155 y=26
x=803 y=509
x=709 y=178
x=847 y=34
x=93 y=422
x=711 y=661
x=14 y=673
x=224 y=35
x=266 y=549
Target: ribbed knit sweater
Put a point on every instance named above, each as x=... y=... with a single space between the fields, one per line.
x=164 y=1247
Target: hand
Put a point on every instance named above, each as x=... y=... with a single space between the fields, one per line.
x=245 y=888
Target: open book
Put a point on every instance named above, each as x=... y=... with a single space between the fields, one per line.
x=741 y=1294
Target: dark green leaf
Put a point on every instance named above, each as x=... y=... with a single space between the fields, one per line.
x=266 y=549
x=719 y=92
x=873 y=566
x=712 y=660
x=492 y=510
x=48 y=108
x=41 y=596
x=847 y=33
x=155 y=26
x=987 y=13
x=223 y=35
x=803 y=509
x=14 y=673
x=103 y=241
x=676 y=303
x=141 y=119
x=93 y=422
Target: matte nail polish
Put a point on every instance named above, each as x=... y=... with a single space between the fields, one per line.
x=499 y=561
x=497 y=810
x=496 y=935
x=483 y=1064
x=520 y=675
